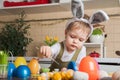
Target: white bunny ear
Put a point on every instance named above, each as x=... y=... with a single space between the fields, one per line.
x=98 y=17
x=77 y=8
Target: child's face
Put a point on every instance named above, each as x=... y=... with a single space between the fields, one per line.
x=74 y=39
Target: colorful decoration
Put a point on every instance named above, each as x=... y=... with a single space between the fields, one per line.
x=78 y=75
x=20 y=61
x=11 y=68
x=34 y=66
x=72 y=65
x=45 y=70
x=51 y=40
x=57 y=76
x=90 y=66
x=22 y=71
x=69 y=74
x=103 y=74
x=3 y=58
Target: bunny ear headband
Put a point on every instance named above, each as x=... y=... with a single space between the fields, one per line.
x=77 y=8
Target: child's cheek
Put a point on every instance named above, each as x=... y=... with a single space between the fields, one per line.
x=80 y=45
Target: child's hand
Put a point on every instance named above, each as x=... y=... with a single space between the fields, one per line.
x=45 y=51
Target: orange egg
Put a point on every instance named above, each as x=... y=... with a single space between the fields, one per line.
x=90 y=66
x=34 y=66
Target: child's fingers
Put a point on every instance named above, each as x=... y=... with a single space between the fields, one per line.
x=45 y=51
x=48 y=52
x=42 y=50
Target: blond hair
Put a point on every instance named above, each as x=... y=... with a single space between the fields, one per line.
x=79 y=25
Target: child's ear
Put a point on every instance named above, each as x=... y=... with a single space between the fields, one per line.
x=65 y=32
x=86 y=39
x=98 y=17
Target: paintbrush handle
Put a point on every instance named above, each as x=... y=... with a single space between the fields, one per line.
x=54 y=60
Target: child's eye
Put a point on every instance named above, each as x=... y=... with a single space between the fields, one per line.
x=72 y=36
x=81 y=40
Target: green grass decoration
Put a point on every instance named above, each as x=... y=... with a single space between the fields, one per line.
x=3 y=63
x=97 y=31
x=3 y=57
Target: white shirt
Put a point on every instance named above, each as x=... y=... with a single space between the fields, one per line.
x=66 y=56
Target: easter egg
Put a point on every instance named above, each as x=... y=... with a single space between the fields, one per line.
x=22 y=71
x=90 y=66
x=11 y=67
x=20 y=61
x=103 y=74
x=64 y=69
x=78 y=75
x=57 y=76
x=34 y=66
x=69 y=74
x=14 y=73
x=72 y=65
x=45 y=70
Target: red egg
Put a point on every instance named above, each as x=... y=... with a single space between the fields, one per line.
x=90 y=66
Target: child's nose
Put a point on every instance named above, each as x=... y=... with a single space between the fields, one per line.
x=75 y=40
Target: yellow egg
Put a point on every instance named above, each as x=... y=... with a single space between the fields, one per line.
x=63 y=75
x=64 y=69
x=34 y=66
x=20 y=61
x=57 y=76
x=41 y=78
x=69 y=74
x=49 y=75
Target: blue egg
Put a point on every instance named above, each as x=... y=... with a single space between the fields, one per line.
x=22 y=71
x=14 y=73
x=72 y=65
x=11 y=68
